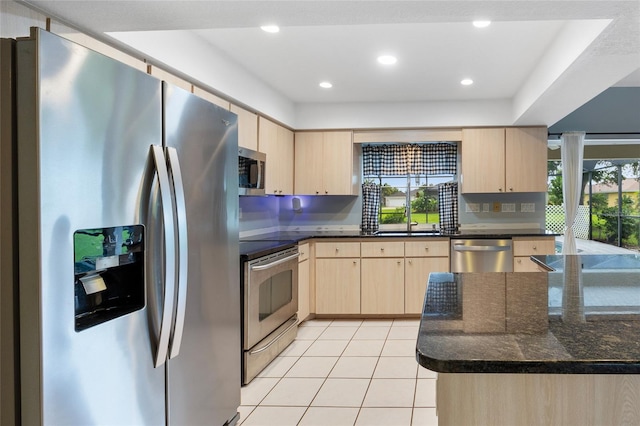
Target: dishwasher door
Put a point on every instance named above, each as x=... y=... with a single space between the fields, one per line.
x=481 y=255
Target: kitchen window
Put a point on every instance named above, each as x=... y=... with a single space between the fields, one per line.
x=403 y=184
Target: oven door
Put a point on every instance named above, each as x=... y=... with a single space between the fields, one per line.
x=271 y=294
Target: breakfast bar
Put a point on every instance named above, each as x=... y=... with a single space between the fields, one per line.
x=561 y=347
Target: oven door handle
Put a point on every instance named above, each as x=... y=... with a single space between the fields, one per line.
x=277 y=262
x=294 y=322
x=462 y=247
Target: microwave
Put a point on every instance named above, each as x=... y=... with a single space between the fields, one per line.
x=251 y=172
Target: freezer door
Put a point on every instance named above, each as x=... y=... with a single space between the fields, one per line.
x=85 y=125
x=204 y=378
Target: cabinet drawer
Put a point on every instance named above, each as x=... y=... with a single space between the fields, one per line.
x=532 y=246
x=439 y=248
x=383 y=249
x=304 y=251
x=525 y=264
x=336 y=249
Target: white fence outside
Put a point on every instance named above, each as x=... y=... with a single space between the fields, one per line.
x=555 y=221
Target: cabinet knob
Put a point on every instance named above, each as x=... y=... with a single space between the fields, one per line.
x=519 y=260
x=354 y=262
x=398 y=262
x=317 y=192
x=535 y=248
x=326 y=192
x=499 y=189
x=337 y=249
x=410 y=262
x=426 y=248
x=381 y=248
x=280 y=191
x=510 y=189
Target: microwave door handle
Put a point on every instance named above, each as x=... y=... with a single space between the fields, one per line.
x=259 y=183
x=156 y=164
x=277 y=262
x=182 y=252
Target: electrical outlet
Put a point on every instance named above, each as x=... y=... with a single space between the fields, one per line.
x=472 y=208
x=497 y=207
x=528 y=207
x=485 y=208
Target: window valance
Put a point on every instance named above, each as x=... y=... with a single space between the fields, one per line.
x=415 y=158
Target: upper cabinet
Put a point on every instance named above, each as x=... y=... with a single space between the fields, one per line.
x=277 y=142
x=324 y=163
x=504 y=160
x=216 y=100
x=247 y=127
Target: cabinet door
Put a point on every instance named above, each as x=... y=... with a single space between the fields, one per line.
x=303 y=290
x=337 y=158
x=337 y=286
x=308 y=163
x=417 y=272
x=526 y=159
x=382 y=283
x=277 y=142
x=247 y=127
x=483 y=160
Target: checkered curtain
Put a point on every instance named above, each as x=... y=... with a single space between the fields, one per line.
x=448 y=206
x=399 y=160
x=385 y=160
x=370 y=206
x=433 y=158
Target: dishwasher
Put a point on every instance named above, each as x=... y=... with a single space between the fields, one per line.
x=481 y=255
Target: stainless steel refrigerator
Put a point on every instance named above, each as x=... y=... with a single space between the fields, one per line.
x=120 y=241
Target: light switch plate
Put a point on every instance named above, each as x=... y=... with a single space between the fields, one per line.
x=486 y=208
x=472 y=208
x=496 y=207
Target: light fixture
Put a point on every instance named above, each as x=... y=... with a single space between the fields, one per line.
x=481 y=24
x=325 y=85
x=466 y=82
x=270 y=28
x=387 y=59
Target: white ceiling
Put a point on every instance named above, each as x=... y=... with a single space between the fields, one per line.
x=537 y=62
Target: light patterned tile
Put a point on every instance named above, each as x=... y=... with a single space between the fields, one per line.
x=278 y=367
x=309 y=333
x=244 y=411
x=341 y=393
x=424 y=417
x=354 y=367
x=346 y=323
x=406 y=322
x=364 y=348
x=296 y=348
x=338 y=333
x=425 y=393
x=312 y=366
x=399 y=348
x=406 y=333
x=333 y=416
x=326 y=348
x=390 y=393
x=275 y=416
x=293 y=392
x=316 y=323
x=377 y=323
x=256 y=390
x=384 y=417
x=371 y=333
x=396 y=368
x=424 y=373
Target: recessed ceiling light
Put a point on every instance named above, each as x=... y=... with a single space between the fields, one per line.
x=466 y=82
x=326 y=85
x=387 y=59
x=270 y=28
x=481 y=24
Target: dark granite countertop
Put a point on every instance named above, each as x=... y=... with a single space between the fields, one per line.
x=574 y=321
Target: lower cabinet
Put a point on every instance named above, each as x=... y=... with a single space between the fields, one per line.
x=382 y=286
x=303 y=282
x=525 y=247
x=416 y=275
x=338 y=286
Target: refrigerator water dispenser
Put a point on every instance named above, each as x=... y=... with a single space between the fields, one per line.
x=109 y=273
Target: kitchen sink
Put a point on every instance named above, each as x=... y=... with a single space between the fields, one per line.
x=406 y=233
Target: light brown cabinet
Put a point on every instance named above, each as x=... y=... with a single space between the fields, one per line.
x=324 y=163
x=525 y=247
x=277 y=142
x=382 y=277
x=304 y=298
x=337 y=278
x=422 y=258
x=498 y=160
x=247 y=127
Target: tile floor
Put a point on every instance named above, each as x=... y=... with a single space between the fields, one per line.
x=344 y=372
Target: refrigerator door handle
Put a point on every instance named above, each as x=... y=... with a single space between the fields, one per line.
x=182 y=252
x=156 y=164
